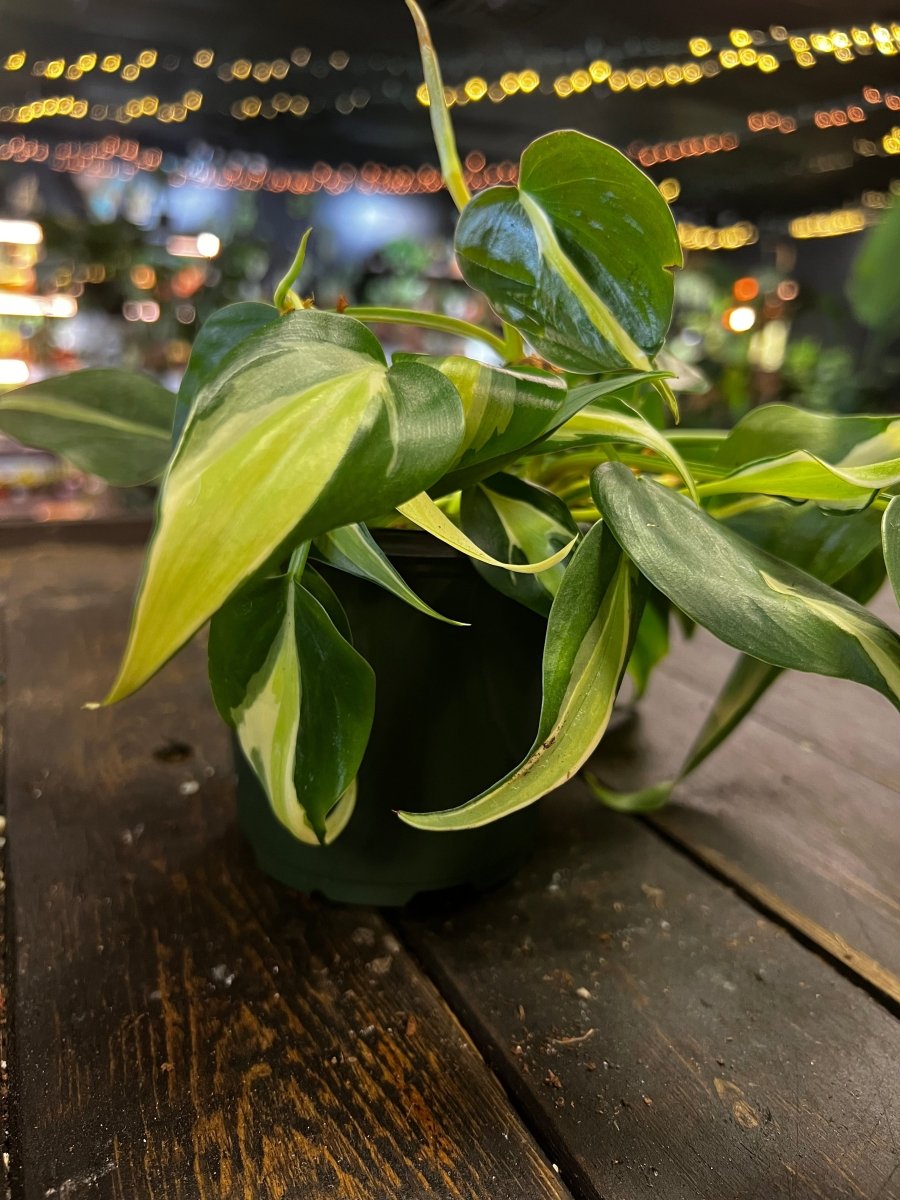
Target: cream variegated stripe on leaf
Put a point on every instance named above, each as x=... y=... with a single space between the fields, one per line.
x=578 y=256
x=299 y=697
x=750 y=599
x=589 y=637
x=506 y=409
x=353 y=549
x=111 y=423
x=423 y=511
x=517 y=521
x=303 y=429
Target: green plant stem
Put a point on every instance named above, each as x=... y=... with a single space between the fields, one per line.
x=425 y=320
x=513 y=344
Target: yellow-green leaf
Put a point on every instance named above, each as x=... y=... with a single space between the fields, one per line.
x=423 y=511
x=304 y=429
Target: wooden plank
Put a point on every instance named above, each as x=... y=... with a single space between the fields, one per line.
x=810 y=838
x=843 y=721
x=183 y=1028
x=666 y=1039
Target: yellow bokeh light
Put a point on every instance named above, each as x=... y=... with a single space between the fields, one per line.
x=476 y=88
x=699 y=46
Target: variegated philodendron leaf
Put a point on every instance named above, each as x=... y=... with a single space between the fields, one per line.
x=303 y=429
x=423 y=511
x=111 y=423
x=299 y=697
x=578 y=257
x=745 y=596
x=224 y=330
x=826 y=545
x=842 y=551
x=613 y=420
x=891 y=541
x=589 y=636
x=353 y=549
x=802 y=476
x=506 y=409
x=518 y=522
x=777 y=429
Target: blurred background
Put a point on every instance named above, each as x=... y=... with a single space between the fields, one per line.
x=159 y=160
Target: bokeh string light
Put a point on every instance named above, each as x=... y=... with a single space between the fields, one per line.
x=115 y=157
x=621 y=71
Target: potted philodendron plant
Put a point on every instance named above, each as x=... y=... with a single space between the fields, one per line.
x=303 y=463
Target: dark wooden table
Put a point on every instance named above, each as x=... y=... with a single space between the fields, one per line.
x=701 y=1005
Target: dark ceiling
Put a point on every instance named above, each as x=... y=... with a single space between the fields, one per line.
x=770 y=173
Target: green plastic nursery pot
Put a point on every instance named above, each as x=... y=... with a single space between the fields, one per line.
x=456 y=709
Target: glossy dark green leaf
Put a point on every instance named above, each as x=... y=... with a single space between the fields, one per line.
x=224 y=330
x=353 y=549
x=299 y=697
x=651 y=644
x=846 y=555
x=589 y=636
x=745 y=596
x=891 y=540
x=303 y=429
x=578 y=257
x=823 y=544
x=111 y=423
x=518 y=522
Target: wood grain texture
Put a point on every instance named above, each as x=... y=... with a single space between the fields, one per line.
x=665 y=1039
x=183 y=1028
x=778 y=808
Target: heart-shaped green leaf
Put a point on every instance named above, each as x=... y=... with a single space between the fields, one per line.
x=748 y=598
x=224 y=330
x=111 y=423
x=299 y=697
x=303 y=429
x=354 y=550
x=519 y=522
x=578 y=257
x=589 y=636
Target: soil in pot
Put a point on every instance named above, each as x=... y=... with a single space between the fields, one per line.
x=456 y=709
